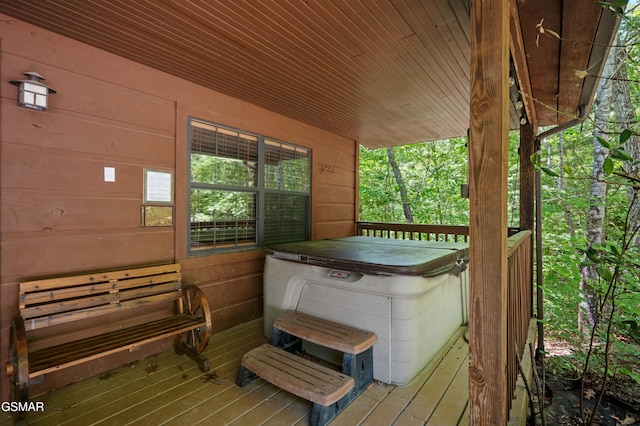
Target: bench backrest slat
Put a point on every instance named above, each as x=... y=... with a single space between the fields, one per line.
x=65 y=317
x=59 y=300
x=52 y=295
x=72 y=281
x=80 y=303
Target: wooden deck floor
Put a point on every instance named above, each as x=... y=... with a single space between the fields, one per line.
x=168 y=389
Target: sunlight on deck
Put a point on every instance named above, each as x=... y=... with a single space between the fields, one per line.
x=170 y=389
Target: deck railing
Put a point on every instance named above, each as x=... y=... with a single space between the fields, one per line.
x=413 y=231
x=519 y=302
x=520 y=278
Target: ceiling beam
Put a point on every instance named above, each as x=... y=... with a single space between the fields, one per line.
x=516 y=46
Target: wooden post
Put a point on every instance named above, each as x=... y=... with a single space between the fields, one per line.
x=527 y=176
x=489 y=122
x=528 y=147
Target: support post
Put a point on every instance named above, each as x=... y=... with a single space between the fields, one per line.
x=527 y=176
x=489 y=122
x=528 y=147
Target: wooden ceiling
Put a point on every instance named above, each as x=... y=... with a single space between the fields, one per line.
x=381 y=72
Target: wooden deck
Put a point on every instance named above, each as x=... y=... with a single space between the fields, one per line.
x=169 y=389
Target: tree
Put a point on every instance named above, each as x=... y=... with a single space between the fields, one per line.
x=626 y=119
x=406 y=206
x=597 y=198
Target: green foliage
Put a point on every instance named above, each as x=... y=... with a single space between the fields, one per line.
x=612 y=345
x=432 y=172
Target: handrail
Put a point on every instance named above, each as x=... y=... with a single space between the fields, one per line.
x=519 y=302
x=516 y=240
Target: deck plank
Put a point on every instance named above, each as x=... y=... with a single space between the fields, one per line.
x=425 y=402
x=454 y=401
x=177 y=402
x=383 y=414
x=395 y=399
x=354 y=414
x=464 y=420
x=98 y=387
x=296 y=413
x=181 y=391
x=206 y=405
x=238 y=408
x=98 y=400
x=266 y=409
x=176 y=393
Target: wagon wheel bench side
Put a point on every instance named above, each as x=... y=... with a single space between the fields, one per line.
x=72 y=299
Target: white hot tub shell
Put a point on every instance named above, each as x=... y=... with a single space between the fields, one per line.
x=412 y=294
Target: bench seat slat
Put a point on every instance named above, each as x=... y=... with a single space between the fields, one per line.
x=86 y=289
x=101 y=277
x=326 y=333
x=297 y=375
x=58 y=357
x=120 y=337
x=45 y=321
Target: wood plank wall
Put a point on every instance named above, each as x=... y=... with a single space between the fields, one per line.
x=59 y=216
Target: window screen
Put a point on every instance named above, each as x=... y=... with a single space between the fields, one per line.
x=285 y=218
x=286 y=167
x=245 y=190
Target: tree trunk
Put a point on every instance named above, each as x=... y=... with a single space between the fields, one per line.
x=626 y=118
x=587 y=314
x=560 y=182
x=406 y=206
x=562 y=188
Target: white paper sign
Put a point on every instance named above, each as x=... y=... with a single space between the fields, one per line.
x=109 y=174
x=158 y=186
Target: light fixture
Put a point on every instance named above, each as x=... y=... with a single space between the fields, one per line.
x=32 y=93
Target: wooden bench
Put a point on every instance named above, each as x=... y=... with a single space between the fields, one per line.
x=330 y=391
x=47 y=303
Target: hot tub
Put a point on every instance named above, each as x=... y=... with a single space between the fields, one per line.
x=412 y=294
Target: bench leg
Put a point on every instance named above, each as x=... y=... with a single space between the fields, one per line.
x=360 y=367
x=182 y=349
x=245 y=376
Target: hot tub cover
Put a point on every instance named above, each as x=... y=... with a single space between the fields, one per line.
x=379 y=256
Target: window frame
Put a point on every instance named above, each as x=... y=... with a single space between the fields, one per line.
x=260 y=190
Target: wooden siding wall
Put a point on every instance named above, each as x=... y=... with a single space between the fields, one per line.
x=58 y=216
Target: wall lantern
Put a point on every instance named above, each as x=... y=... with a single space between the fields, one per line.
x=32 y=93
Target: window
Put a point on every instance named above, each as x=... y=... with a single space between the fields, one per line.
x=245 y=190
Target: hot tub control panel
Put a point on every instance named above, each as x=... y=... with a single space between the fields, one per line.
x=341 y=275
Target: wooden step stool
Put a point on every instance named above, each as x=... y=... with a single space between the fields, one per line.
x=356 y=345
x=329 y=390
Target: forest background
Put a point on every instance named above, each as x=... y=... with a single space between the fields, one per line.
x=590 y=216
